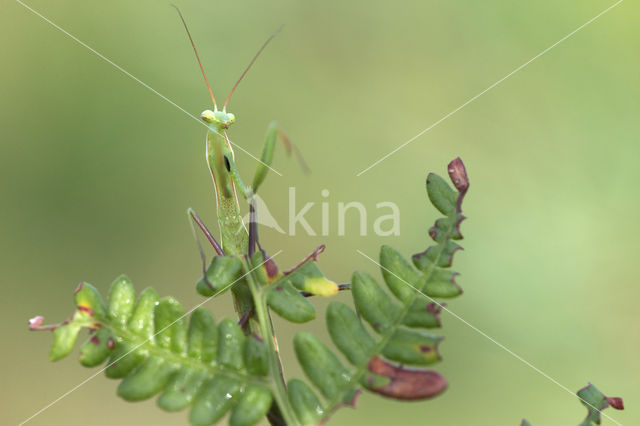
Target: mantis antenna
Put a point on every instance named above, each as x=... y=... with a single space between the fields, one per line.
x=271 y=37
x=215 y=106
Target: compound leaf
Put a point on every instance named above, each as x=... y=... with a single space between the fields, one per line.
x=150 y=344
x=395 y=319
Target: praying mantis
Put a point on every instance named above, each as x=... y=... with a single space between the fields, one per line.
x=234 y=365
x=237 y=264
x=236 y=240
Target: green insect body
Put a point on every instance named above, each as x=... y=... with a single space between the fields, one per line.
x=229 y=187
x=233 y=233
x=220 y=158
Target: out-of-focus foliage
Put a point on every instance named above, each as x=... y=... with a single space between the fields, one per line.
x=595 y=401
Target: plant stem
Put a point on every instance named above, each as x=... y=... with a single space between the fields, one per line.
x=275 y=367
x=145 y=345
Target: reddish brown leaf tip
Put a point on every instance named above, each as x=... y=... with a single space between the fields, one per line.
x=407 y=384
x=86 y=310
x=436 y=309
x=616 y=402
x=318 y=251
x=271 y=268
x=458 y=175
x=353 y=401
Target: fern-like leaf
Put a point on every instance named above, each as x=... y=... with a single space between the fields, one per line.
x=400 y=323
x=150 y=345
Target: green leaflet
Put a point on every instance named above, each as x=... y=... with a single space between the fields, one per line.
x=287 y=302
x=181 y=389
x=397 y=273
x=122 y=297
x=64 y=338
x=441 y=195
x=256 y=357
x=90 y=310
x=441 y=283
x=89 y=302
x=412 y=347
x=423 y=314
x=141 y=320
x=124 y=359
x=214 y=400
x=146 y=380
x=348 y=334
x=222 y=273
x=252 y=407
x=373 y=303
x=202 y=336
x=230 y=345
x=150 y=344
x=320 y=364
x=309 y=278
x=170 y=326
x=97 y=348
x=441 y=256
x=284 y=298
x=305 y=403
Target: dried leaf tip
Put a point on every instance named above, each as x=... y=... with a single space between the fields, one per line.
x=615 y=402
x=595 y=401
x=458 y=175
x=271 y=268
x=406 y=384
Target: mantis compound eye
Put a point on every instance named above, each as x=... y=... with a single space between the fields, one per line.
x=208 y=116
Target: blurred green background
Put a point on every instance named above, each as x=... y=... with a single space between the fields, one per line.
x=96 y=173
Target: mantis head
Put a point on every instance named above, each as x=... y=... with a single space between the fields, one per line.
x=220 y=119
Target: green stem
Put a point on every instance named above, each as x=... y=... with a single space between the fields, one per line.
x=275 y=366
x=145 y=345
